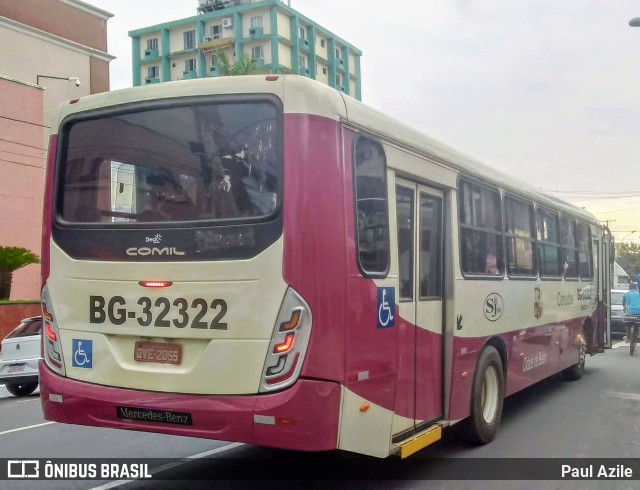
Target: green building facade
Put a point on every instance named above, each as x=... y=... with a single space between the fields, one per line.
x=277 y=37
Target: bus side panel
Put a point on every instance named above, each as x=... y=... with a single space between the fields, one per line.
x=533 y=354
x=314 y=236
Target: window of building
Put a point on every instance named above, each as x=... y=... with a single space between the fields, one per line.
x=569 y=248
x=256 y=21
x=257 y=53
x=520 y=236
x=190 y=64
x=324 y=70
x=338 y=54
x=302 y=33
x=152 y=43
x=323 y=43
x=548 y=243
x=584 y=250
x=338 y=80
x=302 y=62
x=215 y=32
x=214 y=60
x=372 y=223
x=481 y=241
x=153 y=72
x=189 y=40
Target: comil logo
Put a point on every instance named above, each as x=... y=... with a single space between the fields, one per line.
x=145 y=251
x=23 y=468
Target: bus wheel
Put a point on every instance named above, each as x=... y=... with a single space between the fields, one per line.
x=487 y=397
x=574 y=373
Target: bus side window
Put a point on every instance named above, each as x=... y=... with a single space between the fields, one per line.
x=372 y=223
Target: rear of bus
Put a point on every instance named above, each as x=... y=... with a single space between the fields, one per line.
x=164 y=300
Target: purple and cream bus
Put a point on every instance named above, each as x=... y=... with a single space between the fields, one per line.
x=264 y=259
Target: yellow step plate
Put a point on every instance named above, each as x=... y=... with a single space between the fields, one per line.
x=420 y=440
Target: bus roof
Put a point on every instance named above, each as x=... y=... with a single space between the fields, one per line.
x=303 y=95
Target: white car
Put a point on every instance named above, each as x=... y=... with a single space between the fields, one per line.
x=19 y=356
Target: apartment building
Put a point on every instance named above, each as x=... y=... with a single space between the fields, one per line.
x=278 y=38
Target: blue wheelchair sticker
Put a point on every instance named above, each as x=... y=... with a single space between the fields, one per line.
x=82 y=353
x=386 y=307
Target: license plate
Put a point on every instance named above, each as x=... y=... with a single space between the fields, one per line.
x=159 y=352
x=16 y=368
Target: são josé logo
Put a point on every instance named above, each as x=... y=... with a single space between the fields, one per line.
x=493 y=307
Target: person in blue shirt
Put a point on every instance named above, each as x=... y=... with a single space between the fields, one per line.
x=631 y=304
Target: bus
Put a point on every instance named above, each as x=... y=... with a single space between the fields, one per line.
x=263 y=259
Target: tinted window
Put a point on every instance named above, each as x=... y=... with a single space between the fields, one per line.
x=371 y=207
x=519 y=225
x=26 y=329
x=569 y=249
x=548 y=243
x=200 y=162
x=404 y=216
x=480 y=230
x=430 y=246
x=585 y=257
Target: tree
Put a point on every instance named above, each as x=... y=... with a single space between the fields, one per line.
x=12 y=259
x=244 y=66
x=628 y=257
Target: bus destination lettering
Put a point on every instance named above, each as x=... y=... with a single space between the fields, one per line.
x=150 y=415
x=160 y=312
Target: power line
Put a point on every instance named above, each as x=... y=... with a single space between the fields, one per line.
x=23 y=121
x=21 y=154
x=23 y=144
x=21 y=163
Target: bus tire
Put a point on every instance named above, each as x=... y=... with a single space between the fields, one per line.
x=575 y=372
x=487 y=397
x=21 y=389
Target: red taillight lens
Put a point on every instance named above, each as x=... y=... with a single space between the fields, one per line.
x=51 y=334
x=155 y=284
x=285 y=346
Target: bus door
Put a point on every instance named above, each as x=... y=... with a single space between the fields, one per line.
x=601 y=281
x=420 y=273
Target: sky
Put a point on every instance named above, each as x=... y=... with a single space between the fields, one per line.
x=545 y=90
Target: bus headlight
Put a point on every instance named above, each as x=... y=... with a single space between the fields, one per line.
x=51 y=345
x=288 y=344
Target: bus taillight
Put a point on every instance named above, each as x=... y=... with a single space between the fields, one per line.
x=51 y=345
x=288 y=345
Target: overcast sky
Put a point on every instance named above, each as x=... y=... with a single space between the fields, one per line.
x=545 y=90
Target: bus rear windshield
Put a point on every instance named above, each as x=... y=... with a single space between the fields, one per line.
x=196 y=162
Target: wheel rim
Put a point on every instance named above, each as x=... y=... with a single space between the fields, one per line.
x=490 y=393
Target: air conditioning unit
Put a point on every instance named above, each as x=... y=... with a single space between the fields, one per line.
x=227 y=23
x=207 y=39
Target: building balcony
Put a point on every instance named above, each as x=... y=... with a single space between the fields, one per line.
x=150 y=80
x=189 y=74
x=209 y=44
x=151 y=55
x=256 y=33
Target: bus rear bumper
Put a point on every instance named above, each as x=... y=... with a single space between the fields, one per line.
x=304 y=417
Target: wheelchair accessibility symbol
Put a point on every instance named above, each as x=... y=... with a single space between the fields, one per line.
x=82 y=353
x=386 y=307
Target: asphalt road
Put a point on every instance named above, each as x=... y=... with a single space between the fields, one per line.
x=596 y=417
